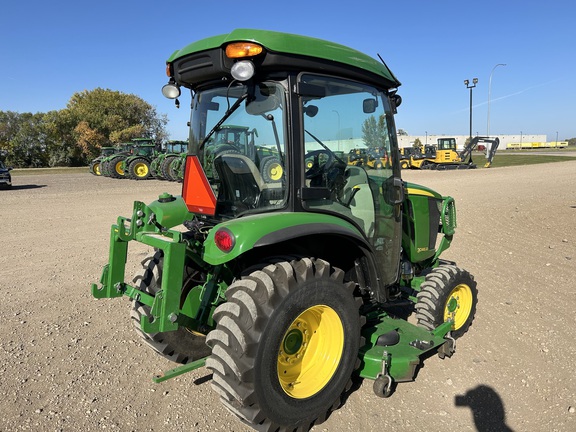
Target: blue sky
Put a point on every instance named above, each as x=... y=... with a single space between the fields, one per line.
x=50 y=50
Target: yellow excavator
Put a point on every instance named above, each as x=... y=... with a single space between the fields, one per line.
x=444 y=154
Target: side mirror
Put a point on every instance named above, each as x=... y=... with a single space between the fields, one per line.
x=262 y=104
x=369 y=105
x=395 y=102
x=311 y=110
x=213 y=106
x=393 y=189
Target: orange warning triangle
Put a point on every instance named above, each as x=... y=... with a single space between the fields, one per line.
x=196 y=190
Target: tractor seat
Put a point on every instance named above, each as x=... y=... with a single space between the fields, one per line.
x=242 y=184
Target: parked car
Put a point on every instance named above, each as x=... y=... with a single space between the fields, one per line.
x=5 y=177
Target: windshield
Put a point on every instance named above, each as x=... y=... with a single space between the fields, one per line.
x=238 y=134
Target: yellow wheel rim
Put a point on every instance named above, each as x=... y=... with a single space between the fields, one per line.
x=458 y=306
x=310 y=352
x=141 y=169
x=119 y=169
x=275 y=170
x=97 y=169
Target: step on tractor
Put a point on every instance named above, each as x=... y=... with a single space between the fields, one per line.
x=290 y=288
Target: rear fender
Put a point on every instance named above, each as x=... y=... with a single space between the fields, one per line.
x=268 y=229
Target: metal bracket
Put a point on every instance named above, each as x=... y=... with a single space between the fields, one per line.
x=188 y=367
x=448 y=348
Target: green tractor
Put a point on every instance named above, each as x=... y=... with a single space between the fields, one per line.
x=111 y=165
x=176 y=167
x=136 y=166
x=289 y=288
x=160 y=167
x=95 y=165
x=242 y=140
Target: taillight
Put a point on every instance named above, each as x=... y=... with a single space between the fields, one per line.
x=224 y=239
x=243 y=49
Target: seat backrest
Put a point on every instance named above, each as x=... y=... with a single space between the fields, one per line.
x=241 y=180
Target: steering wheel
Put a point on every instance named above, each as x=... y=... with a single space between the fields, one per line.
x=317 y=167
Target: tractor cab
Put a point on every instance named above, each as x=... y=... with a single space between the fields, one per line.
x=270 y=145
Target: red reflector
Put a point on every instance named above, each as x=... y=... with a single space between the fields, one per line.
x=224 y=240
x=196 y=190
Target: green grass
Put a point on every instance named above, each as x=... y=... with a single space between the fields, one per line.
x=504 y=160
x=40 y=171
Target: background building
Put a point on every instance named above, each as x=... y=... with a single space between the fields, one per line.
x=408 y=140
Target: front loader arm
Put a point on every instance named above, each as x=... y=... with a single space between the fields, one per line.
x=148 y=225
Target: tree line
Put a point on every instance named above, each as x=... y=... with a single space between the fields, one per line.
x=74 y=135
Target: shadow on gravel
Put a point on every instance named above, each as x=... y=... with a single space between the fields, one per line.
x=23 y=187
x=487 y=409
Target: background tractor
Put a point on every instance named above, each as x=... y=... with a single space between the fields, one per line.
x=160 y=167
x=444 y=155
x=289 y=286
x=111 y=165
x=95 y=164
x=136 y=166
x=376 y=158
x=358 y=156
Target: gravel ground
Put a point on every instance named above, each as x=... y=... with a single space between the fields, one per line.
x=69 y=362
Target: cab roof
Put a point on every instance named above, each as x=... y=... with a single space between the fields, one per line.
x=288 y=43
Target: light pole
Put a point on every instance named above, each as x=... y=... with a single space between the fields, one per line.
x=426 y=137
x=556 y=139
x=489 y=94
x=467 y=84
x=338 y=135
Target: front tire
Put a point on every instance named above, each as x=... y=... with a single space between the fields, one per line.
x=448 y=293
x=95 y=168
x=286 y=344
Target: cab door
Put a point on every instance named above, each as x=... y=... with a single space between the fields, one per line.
x=339 y=118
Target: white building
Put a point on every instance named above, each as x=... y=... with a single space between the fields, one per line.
x=408 y=140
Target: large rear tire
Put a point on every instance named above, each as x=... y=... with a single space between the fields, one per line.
x=286 y=344
x=180 y=346
x=167 y=173
x=139 y=169
x=271 y=169
x=115 y=167
x=448 y=293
